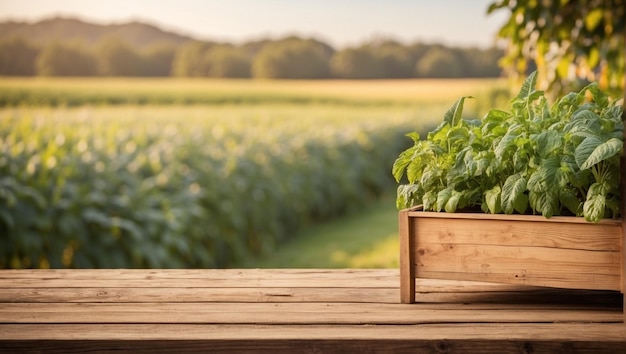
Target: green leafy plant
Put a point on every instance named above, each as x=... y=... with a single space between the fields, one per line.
x=559 y=159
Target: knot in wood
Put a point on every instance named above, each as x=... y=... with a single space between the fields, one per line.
x=442 y=347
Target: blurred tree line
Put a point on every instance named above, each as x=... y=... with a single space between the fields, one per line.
x=286 y=58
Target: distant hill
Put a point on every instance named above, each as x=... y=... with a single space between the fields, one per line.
x=64 y=29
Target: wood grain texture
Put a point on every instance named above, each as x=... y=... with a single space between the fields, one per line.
x=300 y=313
x=487 y=331
x=577 y=236
x=407 y=259
x=512 y=217
x=308 y=311
x=518 y=249
x=314 y=346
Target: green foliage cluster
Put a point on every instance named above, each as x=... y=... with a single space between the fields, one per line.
x=180 y=187
x=134 y=50
x=554 y=159
x=293 y=58
x=112 y=57
x=571 y=42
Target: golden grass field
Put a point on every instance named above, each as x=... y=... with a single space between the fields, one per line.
x=410 y=91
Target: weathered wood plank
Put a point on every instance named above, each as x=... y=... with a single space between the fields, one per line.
x=316 y=310
x=605 y=236
x=316 y=346
x=512 y=217
x=521 y=331
x=407 y=260
x=383 y=278
x=301 y=313
x=203 y=274
x=567 y=268
x=427 y=293
x=479 y=338
x=210 y=278
x=183 y=294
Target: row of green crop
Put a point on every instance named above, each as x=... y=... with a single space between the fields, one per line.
x=41 y=97
x=180 y=187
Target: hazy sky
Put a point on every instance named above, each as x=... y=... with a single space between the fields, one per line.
x=338 y=22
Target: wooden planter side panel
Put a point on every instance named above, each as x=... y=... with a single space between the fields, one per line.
x=527 y=251
x=407 y=263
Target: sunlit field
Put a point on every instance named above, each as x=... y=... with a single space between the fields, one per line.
x=96 y=181
x=113 y=91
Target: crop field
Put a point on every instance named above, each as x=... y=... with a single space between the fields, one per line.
x=116 y=91
x=158 y=184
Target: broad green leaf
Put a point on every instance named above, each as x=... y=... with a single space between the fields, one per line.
x=415 y=136
x=513 y=189
x=481 y=166
x=459 y=134
x=439 y=132
x=521 y=204
x=545 y=202
x=496 y=116
x=580 y=178
x=493 y=200
x=547 y=142
x=439 y=139
x=429 y=199
x=528 y=86
x=463 y=158
x=520 y=160
x=614 y=113
x=613 y=205
x=585 y=123
x=414 y=170
x=507 y=142
x=473 y=123
x=429 y=177
x=568 y=164
x=585 y=115
x=563 y=104
x=494 y=168
x=401 y=163
x=453 y=202
x=592 y=150
x=608 y=126
x=442 y=198
x=569 y=199
x=455 y=113
x=595 y=204
x=400 y=200
x=547 y=176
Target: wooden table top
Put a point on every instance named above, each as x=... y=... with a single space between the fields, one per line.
x=295 y=310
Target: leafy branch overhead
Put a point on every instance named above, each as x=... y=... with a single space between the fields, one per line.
x=559 y=159
x=567 y=40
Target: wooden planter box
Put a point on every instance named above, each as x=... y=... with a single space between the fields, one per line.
x=562 y=252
